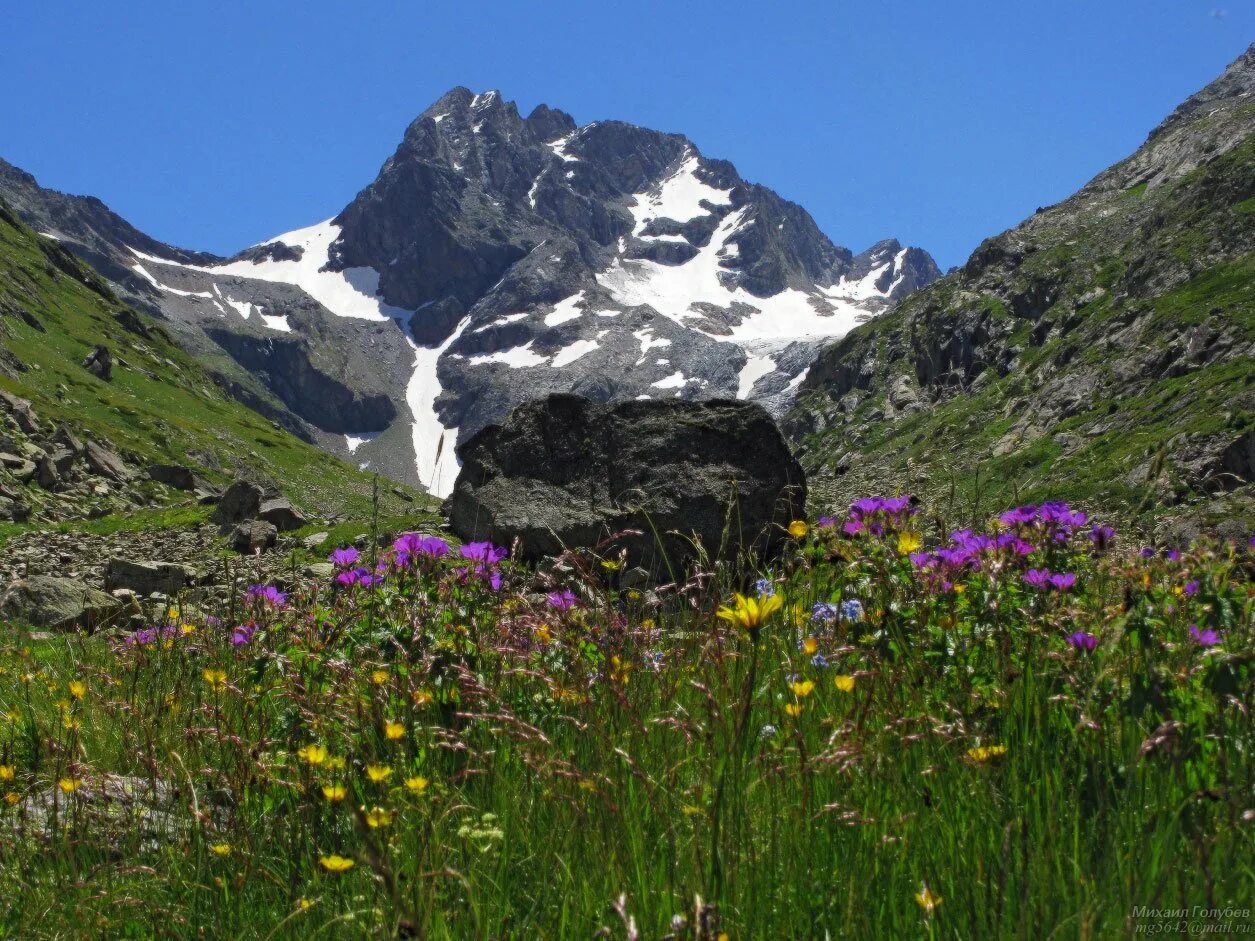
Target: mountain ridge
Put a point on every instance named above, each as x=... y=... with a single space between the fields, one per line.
x=505 y=257
x=1101 y=350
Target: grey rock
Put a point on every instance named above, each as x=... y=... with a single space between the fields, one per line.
x=46 y=473
x=564 y=472
x=145 y=578
x=314 y=540
x=174 y=475
x=105 y=462
x=240 y=501
x=253 y=536
x=282 y=514
x=99 y=363
x=21 y=411
x=56 y=603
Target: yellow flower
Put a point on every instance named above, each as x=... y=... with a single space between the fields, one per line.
x=793 y=709
x=844 y=682
x=983 y=753
x=312 y=754
x=394 y=730
x=335 y=792
x=416 y=784
x=186 y=629
x=378 y=817
x=421 y=697
x=335 y=763
x=70 y=785
x=379 y=677
x=77 y=688
x=334 y=863
x=803 y=688
x=378 y=773
x=72 y=723
x=751 y=613
x=543 y=634
x=217 y=679
x=612 y=565
x=798 y=529
x=7 y=772
x=304 y=904
x=809 y=646
x=220 y=849
x=12 y=797
x=909 y=542
x=927 y=899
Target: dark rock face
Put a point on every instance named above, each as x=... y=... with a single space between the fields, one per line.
x=56 y=603
x=566 y=472
x=174 y=475
x=239 y=502
x=99 y=363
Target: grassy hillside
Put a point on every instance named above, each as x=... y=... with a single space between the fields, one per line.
x=161 y=405
x=1101 y=352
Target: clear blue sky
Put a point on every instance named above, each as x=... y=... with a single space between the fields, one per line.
x=215 y=125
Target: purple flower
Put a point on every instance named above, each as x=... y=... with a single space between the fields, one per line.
x=1082 y=640
x=824 y=612
x=852 y=527
x=1204 y=638
x=410 y=547
x=1147 y=552
x=1173 y=555
x=1038 y=578
x=344 y=557
x=150 y=635
x=826 y=522
x=268 y=594
x=483 y=552
x=242 y=634
x=1102 y=537
x=1191 y=587
x=764 y=588
x=360 y=576
x=819 y=661
x=561 y=600
x=1063 y=581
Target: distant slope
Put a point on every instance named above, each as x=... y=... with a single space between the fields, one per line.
x=161 y=405
x=1102 y=351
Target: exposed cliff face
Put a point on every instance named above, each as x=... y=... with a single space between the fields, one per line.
x=494 y=259
x=1104 y=348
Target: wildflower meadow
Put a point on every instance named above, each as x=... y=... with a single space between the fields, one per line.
x=897 y=728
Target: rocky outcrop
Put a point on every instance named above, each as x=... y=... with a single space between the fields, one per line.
x=146 y=578
x=239 y=502
x=56 y=603
x=565 y=472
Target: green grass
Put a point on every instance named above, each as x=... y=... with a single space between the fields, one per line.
x=643 y=748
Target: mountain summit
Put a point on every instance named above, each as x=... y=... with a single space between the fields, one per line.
x=497 y=258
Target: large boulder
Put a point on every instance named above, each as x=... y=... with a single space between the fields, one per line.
x=253 y=536
x=239 y=502
x=105 y=462
x=282 y=514
x=174 y=475
x=146 y=578
x=56 y=603
x=564 y=472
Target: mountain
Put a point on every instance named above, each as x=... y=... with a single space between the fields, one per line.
x=1102 y=350
x=494 y=259
x=76 y=442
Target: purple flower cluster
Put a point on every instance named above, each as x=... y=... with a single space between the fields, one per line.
x=967 y=551
x=1045 y=579
x=1205 y=637
x=1055 y=518
x=1082 y=640
x=344 y=557
x=484 y=557
x=267 y=594
x=360 y=576
x=410 y=548
x=242 y=634
x=561 y=600
x=875 y=515
x=150 y=635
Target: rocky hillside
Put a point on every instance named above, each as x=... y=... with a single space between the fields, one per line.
x=102 y=414
x=1102 y=351
x=494 y=259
